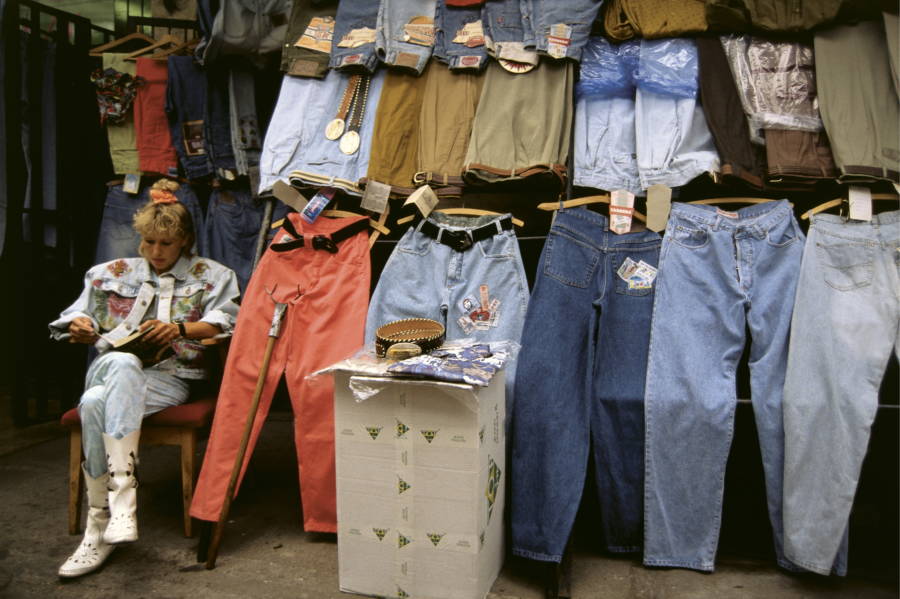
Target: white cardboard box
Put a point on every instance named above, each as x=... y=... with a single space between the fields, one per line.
x=420 y=487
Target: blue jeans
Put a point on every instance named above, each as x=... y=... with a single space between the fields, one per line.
x=580 y=384
x=574 y=17
x=448 y=20
x=118 y=239
x=605 y=144
x=846 y=324
x=719 y=274
x=197 y=105
x=118 y=394
x=233 y=219
x=353 y=17
x=425 y=278
x=508 y=29
x=393 y=16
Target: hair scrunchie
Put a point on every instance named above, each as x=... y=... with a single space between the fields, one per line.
x=162 y=196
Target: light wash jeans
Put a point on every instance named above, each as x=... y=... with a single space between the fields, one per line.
x=846 y=323
x=605 y=144
x=118 y=394
x=719 y=273
x=575 y=17
x=393 y=16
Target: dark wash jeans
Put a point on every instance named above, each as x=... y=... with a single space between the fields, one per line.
x=580 y=382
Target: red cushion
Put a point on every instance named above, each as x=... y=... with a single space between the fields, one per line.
x=194 y=414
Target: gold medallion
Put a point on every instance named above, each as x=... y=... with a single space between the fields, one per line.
x=334 y=129
x=349 y=142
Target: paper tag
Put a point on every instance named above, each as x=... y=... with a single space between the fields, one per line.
x=375 y=198
x=424 y=199
x=659 y=203
x=627 y=269
x=621 y=207
x=860 y=203
x=471 y=35
x=192 y=131
x=317 y=204
x=132 y=183
x=645 y=272
x=357 y=38
x=318 y=34
x=420 y=30
x=470 y=61
x=558 y=40
x=289 y=196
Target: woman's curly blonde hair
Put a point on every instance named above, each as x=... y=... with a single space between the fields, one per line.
x=164 y=216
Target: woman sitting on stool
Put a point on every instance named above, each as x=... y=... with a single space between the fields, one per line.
x=184 y=298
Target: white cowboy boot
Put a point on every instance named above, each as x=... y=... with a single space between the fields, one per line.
x=121 y=455
x=92 y=551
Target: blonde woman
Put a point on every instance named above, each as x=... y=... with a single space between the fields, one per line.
x=184 y=298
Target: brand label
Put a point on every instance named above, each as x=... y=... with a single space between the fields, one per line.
x=419 y=30
x=471 y=35
x=317 y=204
x=318 y=35
x=357 y=38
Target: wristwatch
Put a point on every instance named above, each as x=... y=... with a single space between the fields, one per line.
x=182 y=330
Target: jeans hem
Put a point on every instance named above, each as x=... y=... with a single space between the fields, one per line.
x=601 y=182
x=812 y=567
x=541 y=557
x=674 y=563
x=623 y=548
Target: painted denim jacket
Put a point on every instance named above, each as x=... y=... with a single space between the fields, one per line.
x=119 y=295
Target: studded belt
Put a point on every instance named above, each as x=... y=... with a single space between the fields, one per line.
x=426 y=333
x=462 y=239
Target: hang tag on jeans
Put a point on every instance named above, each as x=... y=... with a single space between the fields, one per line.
x=424 y=198
x=317 y=204
x=621 y=207
x=132 y=184
x=289 y=196
x=860 y=203
x=659 y=204
x=375 y=197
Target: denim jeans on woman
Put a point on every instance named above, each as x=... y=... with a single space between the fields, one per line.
x=580 y=384
x=719 y=274
x=846 y=324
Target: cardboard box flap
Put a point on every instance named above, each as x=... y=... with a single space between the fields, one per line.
x=367 y=387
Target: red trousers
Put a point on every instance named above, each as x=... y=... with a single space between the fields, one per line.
x=328 y=295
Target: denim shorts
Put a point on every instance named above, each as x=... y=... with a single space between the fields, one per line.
x=396 y=22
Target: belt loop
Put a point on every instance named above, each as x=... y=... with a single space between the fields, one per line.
x=440 y=233
x=446 y=179
x=499 y=228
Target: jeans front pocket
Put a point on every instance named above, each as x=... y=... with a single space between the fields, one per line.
x=846 y=264
x=691 y=237
x=570 y=260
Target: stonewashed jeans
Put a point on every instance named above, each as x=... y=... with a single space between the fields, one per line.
x=846 y=323
x=352 y=19
x=391 y=33
x=118 y=394
x=719 y=273
x=580 y=383
x=426 y=278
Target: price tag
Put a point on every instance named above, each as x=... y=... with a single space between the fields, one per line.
x=132 y=184
x=659 y=203
x=621 y=207
x=860 y=203
x=289 y=196
x=317 y=204
x=424 y=199
x=375 y=197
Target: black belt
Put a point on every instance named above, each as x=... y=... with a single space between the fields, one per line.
x=461 y=240
x=319 y=242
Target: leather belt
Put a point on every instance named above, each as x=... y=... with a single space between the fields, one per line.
x=463 y=239
x=327 y=243
x=426 y=333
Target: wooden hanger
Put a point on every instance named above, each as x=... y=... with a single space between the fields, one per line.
x=373 y=236
x=186 y=46
x=137 y=35
x=598 y=199
x=163 y=41
x=465 y=212
x=838 y=201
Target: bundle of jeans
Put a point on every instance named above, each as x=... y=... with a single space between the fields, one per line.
x=353 y=43
x=637 y=119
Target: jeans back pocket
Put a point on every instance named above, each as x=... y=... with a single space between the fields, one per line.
x=569 y=260
x=846 y=264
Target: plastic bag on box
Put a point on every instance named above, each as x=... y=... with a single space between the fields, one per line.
x=607 y=69
x=668 y=66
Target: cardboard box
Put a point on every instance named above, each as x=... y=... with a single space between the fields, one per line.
x=420 y=486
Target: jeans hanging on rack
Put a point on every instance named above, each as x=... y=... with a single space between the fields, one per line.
x=580 y=385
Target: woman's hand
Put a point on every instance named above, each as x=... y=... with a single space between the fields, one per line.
x=82 y=330
x=162 y=333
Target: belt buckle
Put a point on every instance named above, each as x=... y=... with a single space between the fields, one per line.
x=458 y=240
x=321 y=242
